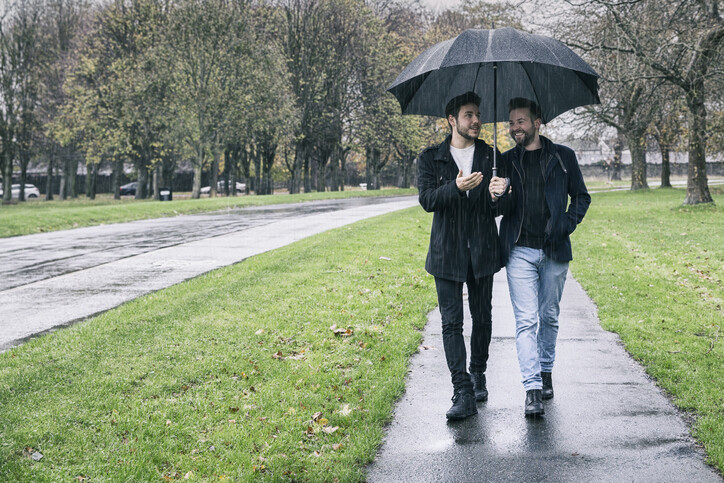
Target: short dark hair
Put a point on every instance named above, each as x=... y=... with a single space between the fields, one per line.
x=453 y=106
x=523 y=103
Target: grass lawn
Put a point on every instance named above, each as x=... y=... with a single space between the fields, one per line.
x=655 y=270
x=283 y=367
x=40 y=216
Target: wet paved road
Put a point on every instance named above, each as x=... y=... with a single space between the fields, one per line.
x=50 y=280
x=608 y=422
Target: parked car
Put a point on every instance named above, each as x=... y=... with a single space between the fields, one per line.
x=240 y=188
x=129 y=189
x=31 y=191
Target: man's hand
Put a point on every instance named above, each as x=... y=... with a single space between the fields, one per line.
x=466 y=183
x=498 y=186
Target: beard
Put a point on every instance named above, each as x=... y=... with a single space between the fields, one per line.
x=465 y=133
x=527 y=138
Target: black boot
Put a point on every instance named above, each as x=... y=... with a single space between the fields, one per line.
x=463 y=406
x=533 y=403
x=547 y=391
x=481 y=392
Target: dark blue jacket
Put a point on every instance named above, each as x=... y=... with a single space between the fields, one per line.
x=458 y=220
x=563 y=179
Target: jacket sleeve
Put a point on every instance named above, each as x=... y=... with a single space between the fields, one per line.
x=433 y=197
x=504 y=204
x=580 y=199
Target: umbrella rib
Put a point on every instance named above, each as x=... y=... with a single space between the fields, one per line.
x=532 y=85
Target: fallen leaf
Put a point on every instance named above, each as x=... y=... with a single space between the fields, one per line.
x=259 y=332
x=336 y=446
x=316 y=416
x=232 y=421
x=189 y=475
x=385 y=258
x=330 y=429
x=317 y=454
x=345 y=411
x=278 y=355
x=168 y=422
x=233 y=410
x=323 y=421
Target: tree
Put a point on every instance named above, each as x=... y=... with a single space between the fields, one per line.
x=63 y=25
x=681 y=42
x=21 y=56
x=204 y=39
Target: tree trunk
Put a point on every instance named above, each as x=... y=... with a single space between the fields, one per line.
x=617 y=155
x=196 y=190
x=93 y=175
x=637 y=145
x=116 y=179
x=63 y=191
x=697 y=186
x=49 y=177
x=214 y=178
x=7 y=175
x=371 y=173
x=156 y=183
x=295 y=183
x=73 y=176
x=142 y=182
x=665 y=166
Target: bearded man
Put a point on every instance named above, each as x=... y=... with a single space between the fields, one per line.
x=464 y=248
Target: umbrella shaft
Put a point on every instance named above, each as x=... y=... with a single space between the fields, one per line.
x=495 y=113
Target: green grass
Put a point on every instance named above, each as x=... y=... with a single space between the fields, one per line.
x=654 y=268
x=41 y=216
x=221 y=377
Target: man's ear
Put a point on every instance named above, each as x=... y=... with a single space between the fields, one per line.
x=451 y=120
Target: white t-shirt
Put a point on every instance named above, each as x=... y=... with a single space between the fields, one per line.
x=464 y=159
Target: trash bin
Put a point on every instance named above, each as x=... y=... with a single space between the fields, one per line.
x=165 y=194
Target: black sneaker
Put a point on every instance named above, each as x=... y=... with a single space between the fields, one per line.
x=547 y=391
x=533 y=403
x=463 y=406
x=481 y=392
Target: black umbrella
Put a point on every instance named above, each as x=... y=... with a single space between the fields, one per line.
x=498 y=65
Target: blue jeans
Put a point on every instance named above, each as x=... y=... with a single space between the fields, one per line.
x=536 y=284
x=450 y=300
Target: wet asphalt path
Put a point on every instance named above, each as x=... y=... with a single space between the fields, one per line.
x=50 y=280
x=608 y=422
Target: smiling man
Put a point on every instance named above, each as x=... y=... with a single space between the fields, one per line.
x=464 y=248
x=535 y=241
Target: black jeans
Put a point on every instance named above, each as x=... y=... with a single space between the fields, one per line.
x=450 y=300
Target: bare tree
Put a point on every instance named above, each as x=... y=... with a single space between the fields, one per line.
x=681 y=42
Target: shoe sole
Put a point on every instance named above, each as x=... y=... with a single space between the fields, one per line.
x=481 y=398
x=534 y=414
x=545 y=398
x=458 y=418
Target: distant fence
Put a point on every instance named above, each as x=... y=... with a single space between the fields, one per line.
x=652 y=170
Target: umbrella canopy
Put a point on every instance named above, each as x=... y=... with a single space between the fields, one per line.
x=498 y=65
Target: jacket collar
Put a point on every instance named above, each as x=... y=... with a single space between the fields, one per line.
x=549 y=150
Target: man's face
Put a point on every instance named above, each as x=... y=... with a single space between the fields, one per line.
x=522 y=129
x=467 y=122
